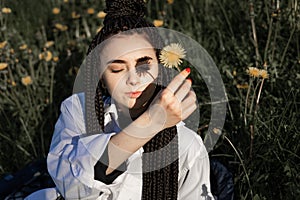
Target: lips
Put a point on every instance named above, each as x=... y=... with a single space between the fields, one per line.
x=134 y=95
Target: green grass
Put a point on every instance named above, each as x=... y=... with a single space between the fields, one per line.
x=260 y=141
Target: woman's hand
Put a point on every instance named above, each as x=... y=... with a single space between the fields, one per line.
x=174 y=104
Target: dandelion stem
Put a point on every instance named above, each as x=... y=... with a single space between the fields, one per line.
x=259 y=91
x=226 y=18
x=253 y=97
x=242 y=163
x=287 y=45
x=86 y=28
x=251 y=8
x=268 y=40
x=246 y=101
x=274 y=41
x=51 y=83
x=17 y=145
x=29 y=137
x=251 y=140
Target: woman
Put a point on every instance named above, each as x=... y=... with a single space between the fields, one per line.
x=142 y=150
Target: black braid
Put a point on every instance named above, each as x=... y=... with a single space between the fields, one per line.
x=162 y=182
x=99 y=106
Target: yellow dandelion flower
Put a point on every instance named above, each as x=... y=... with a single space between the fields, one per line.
x=242 y=86
x=23 y=47
x=3 y=44
x=3 y=66
x=6 y=10
x=49 y=44
x=253 y=71
x=90 y=11
x=27 y=80
x=264 y=74
x=170 y=1
x=61 y=27
x=55 y=11
x=41 y=56
x=158 y=22
x=55 y=59
x=171 y=55
x=13 y=83
x=75 y=15
x=48 y=56
x=101 y=14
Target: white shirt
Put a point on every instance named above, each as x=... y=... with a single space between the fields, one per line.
x=73 y=155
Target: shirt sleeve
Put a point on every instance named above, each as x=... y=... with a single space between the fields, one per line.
x=73 y=154
x=194 y=181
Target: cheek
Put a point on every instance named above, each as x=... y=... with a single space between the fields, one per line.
x=113 y=83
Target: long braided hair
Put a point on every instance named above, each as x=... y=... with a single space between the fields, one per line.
x=160 y=157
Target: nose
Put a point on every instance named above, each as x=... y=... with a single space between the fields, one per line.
x=132 y=78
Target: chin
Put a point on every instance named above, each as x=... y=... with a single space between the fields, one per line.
x=131 y=104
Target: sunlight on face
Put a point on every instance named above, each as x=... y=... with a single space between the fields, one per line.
x=130 y=65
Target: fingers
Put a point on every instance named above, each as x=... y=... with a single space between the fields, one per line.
x=178 y=80
x=184 y=89
x=189 y=105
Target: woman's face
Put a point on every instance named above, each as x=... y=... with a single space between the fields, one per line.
x=130 y=65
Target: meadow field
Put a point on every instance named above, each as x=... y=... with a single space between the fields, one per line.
x=255 y=45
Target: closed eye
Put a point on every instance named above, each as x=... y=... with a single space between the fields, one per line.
x=116 y=70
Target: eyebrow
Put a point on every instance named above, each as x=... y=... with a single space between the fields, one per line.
x=139 y=60
x=143 y=59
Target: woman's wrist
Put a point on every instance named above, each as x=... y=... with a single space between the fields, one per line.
x=143 y=127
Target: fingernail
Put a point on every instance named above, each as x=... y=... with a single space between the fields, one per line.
x=188 y=70
x=189 y=79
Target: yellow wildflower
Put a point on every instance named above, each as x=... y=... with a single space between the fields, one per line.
x=27 y=80
x=23 y=47
x=61 y=27
x=49 y=44
x=13 y=83
x=41 y=56
x=6 y=10
x=48 y=56
x=171 y=55
x=3 y=44
x=170 y=1
x=45 y=56
x=263 y=73
x=55 y=11
x=253 y=71
x=3 y=66
x=90 y=11
x=242 y=86
x=75 y=15
x=158 y=22
x=101 y=14
x=55 y=59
